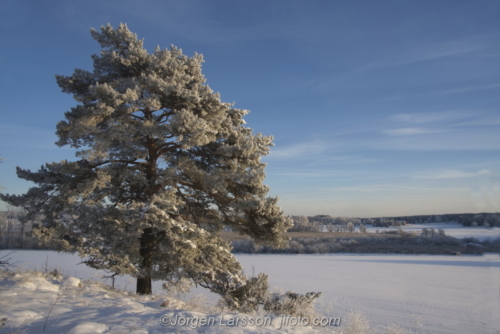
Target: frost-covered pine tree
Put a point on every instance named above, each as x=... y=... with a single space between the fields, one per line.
x=162 y=165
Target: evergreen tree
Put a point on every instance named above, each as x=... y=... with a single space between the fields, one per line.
x=162 y=165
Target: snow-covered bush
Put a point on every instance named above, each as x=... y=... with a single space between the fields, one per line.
x=249 y=296
x=177 y=287
x=290 y=303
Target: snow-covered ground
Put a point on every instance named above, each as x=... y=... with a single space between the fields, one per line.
x=445 y=294
x=31 y=302
x=452 y=229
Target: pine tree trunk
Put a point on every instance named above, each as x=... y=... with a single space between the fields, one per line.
x=144 y=286
x=146 y=251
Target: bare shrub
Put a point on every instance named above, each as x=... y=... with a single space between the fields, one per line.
x=362 y=228
x=357 y=324
x=291 y=303
x=176 y=288
x=4 y=260
x=200 y=303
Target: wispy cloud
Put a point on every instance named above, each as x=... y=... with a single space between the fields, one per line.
x=451 y=174
x=451 y=120
x=429 y=117
x=328 y=160
x=427 y=52
x=411 y=131
x=381 y=188
x=449 y=130
x=312 y=174
x=477 y=140
x=304 y=149
x=199 y=22
x=469 y=89
x=443 y=92
x=490 y=120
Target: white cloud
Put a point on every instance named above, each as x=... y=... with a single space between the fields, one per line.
x=325 y=160
x=381 y=188
x=299 y=150
x=438 y=138
x=410 y=131
x=429 y=117
x=454 y=118
x=488 y=120
x=469 y=89
x=306 y=173
x=451 y=174
x=309 y=174
x=431 y=51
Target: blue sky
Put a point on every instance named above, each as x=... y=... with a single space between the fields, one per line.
x=378 y=108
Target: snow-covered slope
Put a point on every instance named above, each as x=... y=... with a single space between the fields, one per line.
x=32 y=302
x=434 y=294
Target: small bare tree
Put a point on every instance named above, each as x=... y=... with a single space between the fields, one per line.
x=362 y=228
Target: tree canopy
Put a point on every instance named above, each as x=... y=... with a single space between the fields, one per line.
x=162 y=166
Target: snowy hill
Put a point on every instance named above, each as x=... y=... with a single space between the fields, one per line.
x=33 y=302
x=418 y=293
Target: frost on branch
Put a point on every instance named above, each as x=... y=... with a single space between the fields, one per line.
x=162 y=166
x=291 y=303
x=248 y=296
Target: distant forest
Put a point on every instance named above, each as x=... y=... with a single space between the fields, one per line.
x=15 y=231
x=329 y=223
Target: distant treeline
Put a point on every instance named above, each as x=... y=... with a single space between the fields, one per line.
x=399 y=243
x=466 y=219
x=324 y=223
x=15 y=232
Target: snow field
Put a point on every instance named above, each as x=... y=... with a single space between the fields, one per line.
x=418 y=293
x=32 y=302
x=446 y=294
